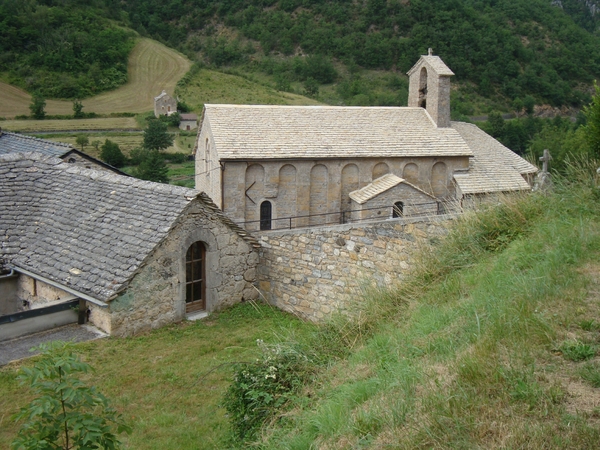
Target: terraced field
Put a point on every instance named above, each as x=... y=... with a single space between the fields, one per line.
x=28 y=126
x=152 y=68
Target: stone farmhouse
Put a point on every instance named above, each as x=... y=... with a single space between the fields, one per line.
x=292 y=166
x=19 y=143
x=136 y=255
x=188 y=122
x=164 y=105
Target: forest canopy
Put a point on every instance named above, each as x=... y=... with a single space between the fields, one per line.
x=62 y=48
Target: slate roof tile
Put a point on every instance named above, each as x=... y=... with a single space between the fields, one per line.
x=328 y=132
x=77 y=222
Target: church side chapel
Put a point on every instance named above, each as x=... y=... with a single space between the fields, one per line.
x=270 y=167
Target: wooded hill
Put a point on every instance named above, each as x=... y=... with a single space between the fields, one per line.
x=506 y=49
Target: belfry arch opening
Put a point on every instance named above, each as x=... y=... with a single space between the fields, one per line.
x=423 y=88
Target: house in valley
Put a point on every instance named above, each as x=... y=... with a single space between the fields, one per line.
x=278 y=166
x=164 y=105
x=133 y=254
x=188 y=122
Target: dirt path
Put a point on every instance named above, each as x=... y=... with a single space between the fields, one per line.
x=152 y=68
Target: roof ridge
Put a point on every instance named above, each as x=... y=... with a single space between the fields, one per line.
x=33 y=138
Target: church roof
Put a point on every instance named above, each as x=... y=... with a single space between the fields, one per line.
x=243 y=132
x=379 y=186
x=87 y=230
x=494 y=167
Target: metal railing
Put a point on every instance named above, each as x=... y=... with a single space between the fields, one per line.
x=349 y=216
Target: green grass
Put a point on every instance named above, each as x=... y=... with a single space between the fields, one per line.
x=469 y=352
x=169 y=383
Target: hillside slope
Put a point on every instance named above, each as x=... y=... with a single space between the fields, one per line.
x=152 y=67
x=493 y=343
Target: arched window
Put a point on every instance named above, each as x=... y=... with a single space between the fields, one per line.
x=398 y=210
x=195 y=280
x=266 y=211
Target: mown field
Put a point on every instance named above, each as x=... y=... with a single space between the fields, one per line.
x=31 y=126
x=152 y=68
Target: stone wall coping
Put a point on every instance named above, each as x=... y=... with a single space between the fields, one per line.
x=352 y=226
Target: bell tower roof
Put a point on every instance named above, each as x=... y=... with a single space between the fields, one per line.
x=434 y=63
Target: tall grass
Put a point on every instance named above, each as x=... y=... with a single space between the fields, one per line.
x=471 y=352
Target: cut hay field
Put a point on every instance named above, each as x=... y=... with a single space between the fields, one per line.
x=210 y=86
x=28 y=126
x=152 y=68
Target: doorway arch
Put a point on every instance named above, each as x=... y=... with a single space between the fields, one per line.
x=195 y=277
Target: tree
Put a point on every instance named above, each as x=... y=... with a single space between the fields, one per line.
x=153 y=167
x=78 y=110
x=82 y=140
x=496 y=124
x=311 y=87
x=66 y=414
x=37 y=107
x=112 y=154
x=592 y=127
x=156 y=136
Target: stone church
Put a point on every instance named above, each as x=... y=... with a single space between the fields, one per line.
x=273 y=167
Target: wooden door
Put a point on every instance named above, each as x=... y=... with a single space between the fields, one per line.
x=195 y=281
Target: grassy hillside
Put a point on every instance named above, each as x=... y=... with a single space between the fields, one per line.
x=151 y=68
x=503 y=50
x=494 y=343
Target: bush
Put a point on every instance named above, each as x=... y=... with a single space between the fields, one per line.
x=112 y=154
x=66 y=413
x=261 y=388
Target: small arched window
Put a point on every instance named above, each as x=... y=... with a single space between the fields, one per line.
x=398 y=210
x=266 y=212
x=195 y=280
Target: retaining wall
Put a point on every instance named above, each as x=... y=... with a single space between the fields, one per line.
x=313 y=272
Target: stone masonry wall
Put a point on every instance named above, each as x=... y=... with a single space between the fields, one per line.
x=316 y=271
x=156 y=295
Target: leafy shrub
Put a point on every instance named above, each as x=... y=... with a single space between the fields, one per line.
x=66 y=413
x=261 y=388
x=112 y=154
x=176 y=158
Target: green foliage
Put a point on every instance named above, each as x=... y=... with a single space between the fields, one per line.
x=78 y=110
x=508 y=49
x=172 y=120
x=156 y=136
x=37 y=107
x=592 y=128
x=66 y=414
x=577 y=351
x=82 y=140
x=66 y=49
x=112 y=154
x=311 y=88
x=261 y=389
x=152 y=166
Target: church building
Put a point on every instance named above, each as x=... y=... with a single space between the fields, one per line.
x=272 y=167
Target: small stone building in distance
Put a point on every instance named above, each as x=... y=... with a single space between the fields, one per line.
x=188 y=121
x=273 y=167
x=136 y=255
x=164 y=105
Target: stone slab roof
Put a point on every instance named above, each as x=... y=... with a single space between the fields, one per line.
x=243 y=132
x=185 y=116
x=87 y=230
x=435 y=62
x=19 y=143
x=379 y=186
x=494 y=167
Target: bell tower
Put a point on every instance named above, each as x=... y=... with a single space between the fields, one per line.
x=429 y=88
